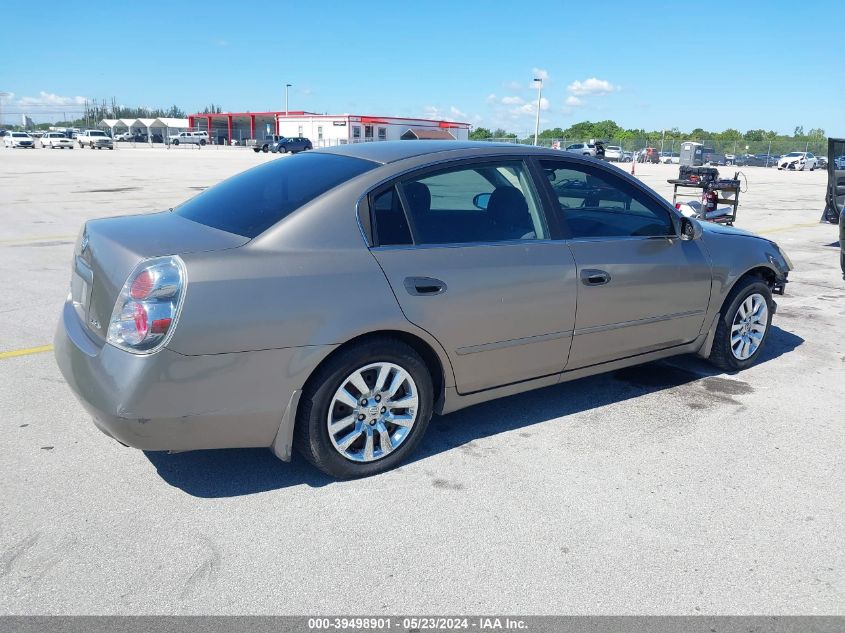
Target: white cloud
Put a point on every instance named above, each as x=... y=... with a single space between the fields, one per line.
x=48 y=98
x=574 y=101
x=512 y=85
x=432 y=112
x=591 y=86
x=457 y=113
x=531 y=108
x=540 y=73
x=512 y=100
x=492 y=97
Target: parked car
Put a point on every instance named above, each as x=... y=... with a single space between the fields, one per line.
x=189 y=138
x=56 y=139
x=627 y=156
x=95 y=139
x=613 y=153
x=799 y=161
x=292 y=145
x=333 y=301
x=648 y=155
x=670 y=157
x=821 y=162
x=585 y=149
x=267 y=143
x=18 y=139
x=839 y=162
x=123 y=137
x=710 y=156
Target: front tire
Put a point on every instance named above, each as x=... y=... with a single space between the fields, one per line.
x=744 y=325
x=365 y=410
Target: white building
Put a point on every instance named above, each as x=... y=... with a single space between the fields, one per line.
x=326 y=130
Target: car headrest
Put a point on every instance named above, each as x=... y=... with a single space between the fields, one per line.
x=507 y=207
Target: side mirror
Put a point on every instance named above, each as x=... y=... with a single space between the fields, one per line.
x=690 y=229
x=481 y=200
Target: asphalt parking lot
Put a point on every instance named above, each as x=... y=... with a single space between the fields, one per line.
x=665 y=489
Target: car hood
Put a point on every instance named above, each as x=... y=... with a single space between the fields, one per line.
x=789 y=159
x=721 y=229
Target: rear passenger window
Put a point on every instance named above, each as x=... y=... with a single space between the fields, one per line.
x=594 y=204
x=391 y=225
x=492 y=202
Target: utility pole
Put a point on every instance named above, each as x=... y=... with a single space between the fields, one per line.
x=539 y=83
x=286 y=98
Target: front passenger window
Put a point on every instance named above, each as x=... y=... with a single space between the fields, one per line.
x=595 y=204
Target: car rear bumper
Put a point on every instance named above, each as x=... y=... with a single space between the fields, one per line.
x=169 y=401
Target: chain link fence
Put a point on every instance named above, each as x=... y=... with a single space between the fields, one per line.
x=672 y=147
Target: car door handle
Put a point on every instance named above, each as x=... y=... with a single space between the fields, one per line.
x=593 y=277
x=424 y=286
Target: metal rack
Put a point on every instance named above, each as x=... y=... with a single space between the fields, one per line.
x=727 y=191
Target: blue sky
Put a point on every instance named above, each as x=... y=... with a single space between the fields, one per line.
x=754 y=64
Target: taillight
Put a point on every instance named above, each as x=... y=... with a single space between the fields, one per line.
x=148 y=305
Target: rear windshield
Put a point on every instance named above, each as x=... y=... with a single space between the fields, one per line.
x=250 y=203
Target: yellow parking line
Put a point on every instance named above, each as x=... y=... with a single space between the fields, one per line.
x=47 y=238
x=788 y=228
x=26 y=352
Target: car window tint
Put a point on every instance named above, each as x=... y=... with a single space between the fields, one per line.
x=250 y=203
x=391 y=225
x=493 y=202
x=594 y=204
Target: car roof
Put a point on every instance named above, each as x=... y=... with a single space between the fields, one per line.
x=392 y=151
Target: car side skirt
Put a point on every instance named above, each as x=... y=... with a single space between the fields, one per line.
x=453 y=401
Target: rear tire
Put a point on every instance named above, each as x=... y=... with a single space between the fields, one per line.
x=265 y=149
x=311 y=434
x=723 y=355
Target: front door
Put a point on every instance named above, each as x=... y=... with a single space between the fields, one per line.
x=466 y=251
x=640 y=287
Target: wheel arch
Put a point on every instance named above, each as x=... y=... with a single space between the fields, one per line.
x=433 y=361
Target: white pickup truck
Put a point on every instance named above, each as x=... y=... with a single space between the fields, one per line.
x=189 y=138
x=95 y=138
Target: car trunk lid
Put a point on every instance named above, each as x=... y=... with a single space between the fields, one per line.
x=109 y=250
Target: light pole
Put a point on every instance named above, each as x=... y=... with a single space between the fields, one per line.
x=539 y=83
x=286 y=98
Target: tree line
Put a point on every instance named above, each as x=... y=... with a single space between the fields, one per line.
x=610 y=130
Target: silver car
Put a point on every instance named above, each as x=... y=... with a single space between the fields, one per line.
x=334 y=300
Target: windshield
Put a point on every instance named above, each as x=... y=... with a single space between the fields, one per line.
x=250 y=203
x=20 y=135
x=793 y=154
x=96 y=133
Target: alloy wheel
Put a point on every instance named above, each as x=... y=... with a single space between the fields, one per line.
x=749 y=326
x=372 y=412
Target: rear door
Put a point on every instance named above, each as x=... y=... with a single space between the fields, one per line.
x=836 y=191
x=467 y=252
x=640 y=287
x=835 y=179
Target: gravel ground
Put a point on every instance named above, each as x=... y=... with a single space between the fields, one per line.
x=665 y=489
